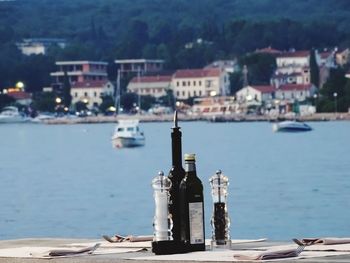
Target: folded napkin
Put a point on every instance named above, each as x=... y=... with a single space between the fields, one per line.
x=286 y=253
x=69 y=252
x=325 y=241
x=130 y=238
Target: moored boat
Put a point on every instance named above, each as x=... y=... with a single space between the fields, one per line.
x=11 y=114
x=127 y=133
x=291 y=126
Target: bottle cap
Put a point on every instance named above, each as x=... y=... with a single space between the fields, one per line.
x=190 y=157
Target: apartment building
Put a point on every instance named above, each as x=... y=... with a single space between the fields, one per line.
x=155 y=86
x=90 y=92
x=139 y=66
x=188 y=83
x=80 y=71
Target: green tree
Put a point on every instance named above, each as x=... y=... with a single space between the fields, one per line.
x=6 y=100
x=107 y=101
x=336 y=83
x=67 y=97
x=44 y=101
x=80 y=106
x=128 y=101
x=314 y=70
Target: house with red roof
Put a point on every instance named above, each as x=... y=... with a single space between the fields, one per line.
x=187 y=83
x=292 y=92
x=155 y=86
x=20 y=96
x=268 y=50
x=90 y=92
x=287 y=93
x=256 y=94
x=79 y=71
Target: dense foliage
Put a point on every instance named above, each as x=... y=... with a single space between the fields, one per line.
x=186 y=34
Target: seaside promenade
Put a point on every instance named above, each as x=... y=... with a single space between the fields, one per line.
x=185 y=117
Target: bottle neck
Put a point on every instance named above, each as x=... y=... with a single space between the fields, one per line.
x=190 y=166
x=176 y=147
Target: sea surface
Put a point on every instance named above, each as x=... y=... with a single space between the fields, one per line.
x=68 y=181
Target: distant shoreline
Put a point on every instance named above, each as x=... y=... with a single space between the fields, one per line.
x=210 y=118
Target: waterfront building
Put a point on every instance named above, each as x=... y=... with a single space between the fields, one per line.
x=91 y=92
x=21 y=97
x=230 y=66
x=217 y=105
x=267 y=93
x=342 y=56
x=155 y=86
x=36 y=46
x=292 y=92
x=255 y=94
x=187 y=83
x=79 y=71
x=139 y=66
x=294 y=67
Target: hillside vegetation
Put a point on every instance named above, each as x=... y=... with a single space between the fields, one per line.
x=111 y=29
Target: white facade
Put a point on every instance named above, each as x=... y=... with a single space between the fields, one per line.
x=200 y=83
x=155 y=86
x=258 y=94
x=91 y=92
x=295 y=92
x=36 y=46
x=292 y=68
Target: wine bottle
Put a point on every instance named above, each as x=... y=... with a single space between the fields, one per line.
x=176 y=174
x=192 y=207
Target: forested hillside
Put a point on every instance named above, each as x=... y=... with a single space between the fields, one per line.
x=111 y=29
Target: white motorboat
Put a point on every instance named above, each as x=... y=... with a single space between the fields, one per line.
x=11 y=114
x=127 y=133
x=291 y=126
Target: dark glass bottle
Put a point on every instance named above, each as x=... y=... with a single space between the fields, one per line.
x=192 y=207
x=176 y=174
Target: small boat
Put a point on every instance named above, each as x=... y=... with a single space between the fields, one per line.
x=127 y=133
x=291 y=126
x=11 y=114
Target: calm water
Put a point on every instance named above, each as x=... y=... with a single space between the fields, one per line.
x=67 y=180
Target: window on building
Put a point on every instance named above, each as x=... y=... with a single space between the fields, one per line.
x=85 y=94
x=183 y=93
x=200 y=83
x=208 y=83
x=177 y=84
x=189 y=94
x=183 y=83
x=194 y=93
x=177 y=93
x=76 y=94
x=200 y=93
x=95 y=94
x=194 y=83
x=189 y=83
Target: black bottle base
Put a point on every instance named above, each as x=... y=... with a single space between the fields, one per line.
x=196 y=247
x=168 y=247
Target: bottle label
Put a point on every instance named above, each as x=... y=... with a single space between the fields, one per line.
x=196 y=223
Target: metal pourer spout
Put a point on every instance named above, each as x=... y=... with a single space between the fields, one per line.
x=175 y=119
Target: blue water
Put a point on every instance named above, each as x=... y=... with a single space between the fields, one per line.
x=67 y=180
